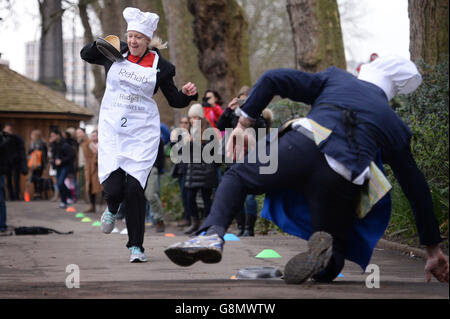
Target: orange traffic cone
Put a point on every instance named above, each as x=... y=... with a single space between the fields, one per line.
x=26 y=196
x=70 y=209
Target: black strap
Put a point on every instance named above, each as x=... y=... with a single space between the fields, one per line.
x=350 y=121
x=139 y=61
x=61 y=233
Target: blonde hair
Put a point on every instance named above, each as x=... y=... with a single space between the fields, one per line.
x=156 y=42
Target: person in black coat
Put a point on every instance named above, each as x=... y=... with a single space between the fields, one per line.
x=4 y=168
x=200 y=176
x=63 y=161
x=179 y=169
x=17 y=162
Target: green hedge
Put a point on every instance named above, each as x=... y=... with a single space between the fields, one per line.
x=426 y=113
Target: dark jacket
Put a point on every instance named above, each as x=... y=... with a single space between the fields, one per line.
x=4 y=162
x=65 y=153
x=200 y=174
x=16 y=156
x=164 y=78
x=178 y=169
x=161 y=157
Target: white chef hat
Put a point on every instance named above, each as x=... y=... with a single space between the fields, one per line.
x=393 y=74
x=143 y=22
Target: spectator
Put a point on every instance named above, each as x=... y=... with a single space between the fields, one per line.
x=179 y=169
x=17 y=162
x=93 y=186
x=165 y=133
x=4 y=167
x=212 y=106
x=94 y=141
x=37 y=161
x=152 y=190
x=199 y=176
x=72 y=182
x=63 y=160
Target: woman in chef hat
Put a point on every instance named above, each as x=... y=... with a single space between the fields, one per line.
x=129 y=123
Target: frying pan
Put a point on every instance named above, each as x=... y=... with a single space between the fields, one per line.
x=110 y=48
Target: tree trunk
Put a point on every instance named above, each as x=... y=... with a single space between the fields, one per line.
x=99 y=80
x=428 y=30
x=317 y=35
x=110 y=16
x=182 y=50
x=51 y=63
x=220 y=34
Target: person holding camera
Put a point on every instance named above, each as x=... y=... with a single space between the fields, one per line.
x=212 y=107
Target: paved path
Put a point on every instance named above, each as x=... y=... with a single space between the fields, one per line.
x=35 y=266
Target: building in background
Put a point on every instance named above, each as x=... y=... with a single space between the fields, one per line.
x=28 y=105
x=77 y=74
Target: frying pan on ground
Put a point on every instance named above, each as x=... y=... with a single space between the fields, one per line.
x=110 y=48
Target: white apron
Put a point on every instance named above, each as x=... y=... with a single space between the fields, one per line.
x=129 y=125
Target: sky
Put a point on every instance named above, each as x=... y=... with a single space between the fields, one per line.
x=382 y=27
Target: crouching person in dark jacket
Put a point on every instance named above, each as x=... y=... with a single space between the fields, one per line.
x=201 y=175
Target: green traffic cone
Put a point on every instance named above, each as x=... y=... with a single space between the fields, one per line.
x=268 y=253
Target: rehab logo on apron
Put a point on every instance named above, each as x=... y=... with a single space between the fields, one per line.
x=129 y=124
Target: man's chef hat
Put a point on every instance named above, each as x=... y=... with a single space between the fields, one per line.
x=393 y=74
x=143 y=22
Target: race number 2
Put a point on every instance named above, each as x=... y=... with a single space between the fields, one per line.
x=123 y=122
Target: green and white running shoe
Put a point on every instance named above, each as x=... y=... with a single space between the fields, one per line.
x=108 y=220
x=137 y=256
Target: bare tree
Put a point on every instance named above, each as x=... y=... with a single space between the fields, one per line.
x=317 y=34
x=182 y=50
x=51 y=65
x=99 y=87
x=269 y=36
x=428 y=30
x=352 y=13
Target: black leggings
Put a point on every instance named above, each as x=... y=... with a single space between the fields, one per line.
x=332 y=200
x=191 y=200
x=121 y=187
